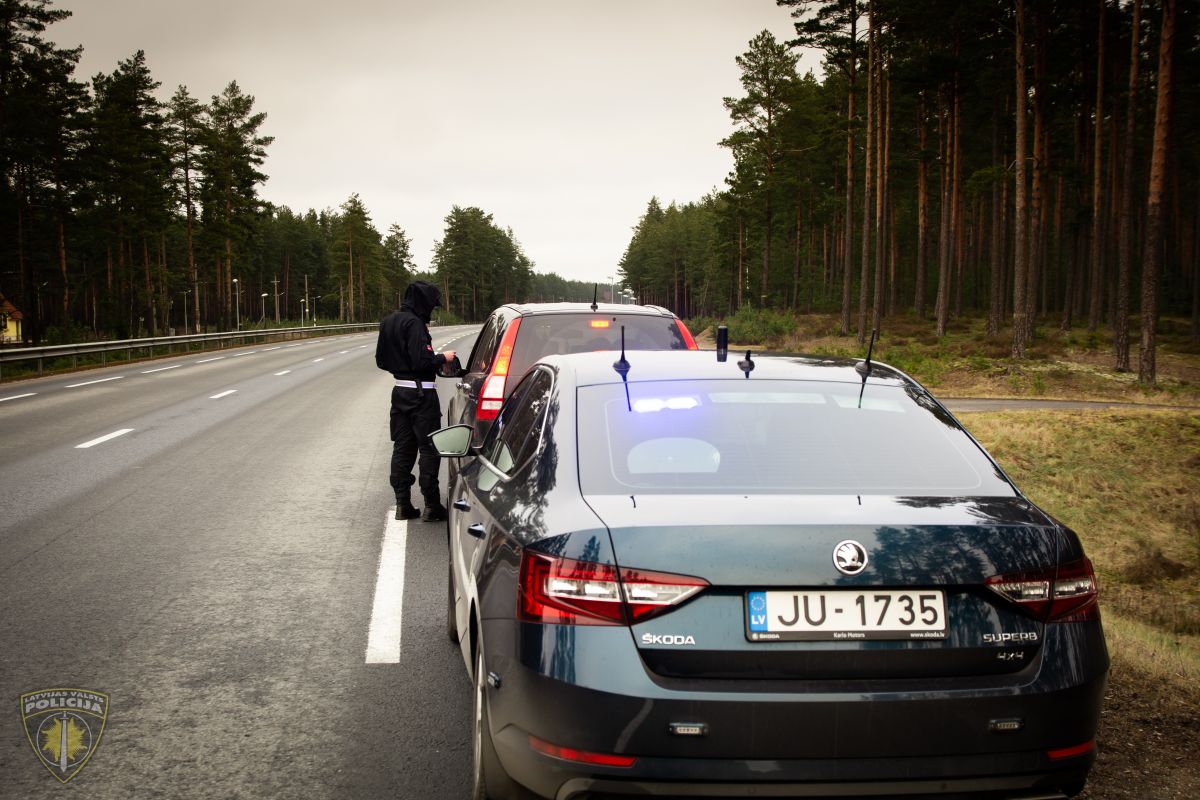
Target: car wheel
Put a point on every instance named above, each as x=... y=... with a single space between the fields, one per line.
x=487 y=776
x=451 y=624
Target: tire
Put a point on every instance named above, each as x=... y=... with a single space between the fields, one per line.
x=485 y=766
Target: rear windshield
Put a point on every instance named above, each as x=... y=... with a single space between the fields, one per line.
x=550 y=334
x=775 y=437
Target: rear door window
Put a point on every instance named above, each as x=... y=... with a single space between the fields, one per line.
x=485 y=345
x=556 y=334
x=515 y=435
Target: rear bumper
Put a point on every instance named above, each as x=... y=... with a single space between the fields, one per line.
x=1010 y=775
x=764 y=742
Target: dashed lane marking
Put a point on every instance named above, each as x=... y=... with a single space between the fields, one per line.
x=17 y=396
x=315 y=360
x=100 y=380
x=225 y=393
x=160 y=369
x=269 y=349
x=383 y=637
x=285 y=372
x=103 y=438
x=248 y=353
x=206 y=360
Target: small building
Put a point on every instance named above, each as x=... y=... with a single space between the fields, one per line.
x=10 y=322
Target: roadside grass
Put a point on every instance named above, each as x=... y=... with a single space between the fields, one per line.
x=967 y=362
x=1128 y=483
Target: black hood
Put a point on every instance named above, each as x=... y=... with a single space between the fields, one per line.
x=421 y=298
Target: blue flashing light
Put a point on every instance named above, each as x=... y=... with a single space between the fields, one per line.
x=649 y=405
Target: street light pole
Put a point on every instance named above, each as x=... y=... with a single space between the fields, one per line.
x=185 y=294
x=264 y=307
x=237 y=308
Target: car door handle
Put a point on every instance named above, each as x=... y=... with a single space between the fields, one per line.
x=462 y=505
x=476 y=530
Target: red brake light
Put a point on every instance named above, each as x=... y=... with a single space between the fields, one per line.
x=492 y=395
x=688 y=339
x=1064 y=594
x=599 y=323
x=570 y=592
x=581 y=756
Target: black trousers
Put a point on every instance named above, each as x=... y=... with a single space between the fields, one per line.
x=415 y=414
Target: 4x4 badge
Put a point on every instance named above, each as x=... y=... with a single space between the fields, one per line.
x=64 y=727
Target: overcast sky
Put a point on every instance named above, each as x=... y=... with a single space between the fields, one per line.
x=561 y=118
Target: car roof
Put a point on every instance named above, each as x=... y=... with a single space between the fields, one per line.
x=526 y=309
x=588 y=369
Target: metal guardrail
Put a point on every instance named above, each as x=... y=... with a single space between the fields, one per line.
x=9 y=355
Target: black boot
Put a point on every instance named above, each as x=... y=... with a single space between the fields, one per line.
x=406 y=510
x=434 y=511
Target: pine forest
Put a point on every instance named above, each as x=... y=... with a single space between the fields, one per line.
x=1034 y=162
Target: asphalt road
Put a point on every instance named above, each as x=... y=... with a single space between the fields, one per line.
x=206 y=539
x=214 y=570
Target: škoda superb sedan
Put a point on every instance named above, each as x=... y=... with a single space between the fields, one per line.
x=777 y=577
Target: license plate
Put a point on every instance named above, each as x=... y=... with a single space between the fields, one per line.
x=845 y=614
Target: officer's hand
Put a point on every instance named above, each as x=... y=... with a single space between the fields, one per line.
x=449 y=354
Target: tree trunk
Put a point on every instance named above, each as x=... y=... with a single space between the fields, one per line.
x=996 y=293
x=1096 y=294
x=1152 y=249
x=941 y=302
x=848 y=257
x=1125 y=225
x=868 y=176
x=880 y=184
x=1020 y=246
x=922 y=209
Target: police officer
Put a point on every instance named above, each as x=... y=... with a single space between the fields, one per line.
x=405 y=349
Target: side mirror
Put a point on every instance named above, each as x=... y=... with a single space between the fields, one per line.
x=452 y=369
x=452 y=442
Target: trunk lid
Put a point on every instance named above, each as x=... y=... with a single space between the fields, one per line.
x=781 y=548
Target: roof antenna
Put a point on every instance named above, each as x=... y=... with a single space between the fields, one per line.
x=622 y=367
x=746 y=365
x=595 y=293
x=722 y=343
x=864 y=367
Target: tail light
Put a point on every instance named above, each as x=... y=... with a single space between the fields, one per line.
x=492 y=395
x=570 y=592
x=688 y=339
x=1064 y=594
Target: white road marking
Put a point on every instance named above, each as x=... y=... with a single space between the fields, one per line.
x=103 y=438
x=248 y=353
x=17 y=396
x=225 y=393
x=301 y=344
x=285 y=372
x=315 y=360
x=101 y=380
x=383 y=637
x=269 y=349
x=160 y=369
x=206 y=360
x=342 y=352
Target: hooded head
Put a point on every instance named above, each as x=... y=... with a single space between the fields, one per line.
x=421 y=298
